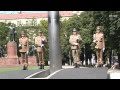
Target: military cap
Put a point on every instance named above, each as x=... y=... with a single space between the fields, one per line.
x=22 y=33
x=40 y=32
x=74 y=30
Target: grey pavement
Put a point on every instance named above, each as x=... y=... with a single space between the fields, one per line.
x=68 y=72
x=114 y=73
x=21 y=74
x=81 y=73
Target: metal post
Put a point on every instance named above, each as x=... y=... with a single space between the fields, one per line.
x=54 y=41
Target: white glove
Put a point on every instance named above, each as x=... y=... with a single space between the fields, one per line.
x=27 y=52
x=76 y=44
x=42 y=45
x=20 y=45
x=103 y=49
x=94 y=41
x=43 y=39
x=35 y=48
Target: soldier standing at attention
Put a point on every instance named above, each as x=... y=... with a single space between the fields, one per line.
x=40 y=40
x=75 y=41
x=98 y=39
x=23 y=49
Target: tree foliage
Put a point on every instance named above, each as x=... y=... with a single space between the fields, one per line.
x=85 y=23
x=4 y=30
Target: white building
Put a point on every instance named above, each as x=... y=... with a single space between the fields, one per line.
x=32 y=18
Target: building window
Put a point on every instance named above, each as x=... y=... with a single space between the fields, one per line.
x=27 y=23
x=18 y=23
x=34 y=22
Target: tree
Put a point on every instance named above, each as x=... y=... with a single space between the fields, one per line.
x=3 y=33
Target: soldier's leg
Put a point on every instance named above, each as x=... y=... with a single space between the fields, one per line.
x=37 y=58
x=23 y=60
x=26 y=61
x=76 y=59
x=42 y=60
x=98 y=57
x=73 y=55
x=101 y=57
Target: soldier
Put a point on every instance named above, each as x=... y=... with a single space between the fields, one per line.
x=98 y=39
x=23 y=49
x=40 y=41
x=75 y=41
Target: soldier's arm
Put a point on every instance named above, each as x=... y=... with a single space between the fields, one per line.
x=20 y=43
x=45 y=39
x=80 y=39
x=94 y=38
x=103 y=41
x=27 y=44
x=70 y=41
x=35 y=41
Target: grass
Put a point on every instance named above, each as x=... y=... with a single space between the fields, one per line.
x=8 y=69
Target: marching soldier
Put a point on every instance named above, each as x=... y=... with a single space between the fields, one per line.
x=75 y=41
x=40 y=41
x=23 y=49
x=98 y=39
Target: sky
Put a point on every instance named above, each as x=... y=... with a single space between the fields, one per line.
x=13 y=12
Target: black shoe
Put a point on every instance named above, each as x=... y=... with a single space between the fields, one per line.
x=101 y=65
x=25 y=68
x=78 y=65
x=75 y=65
x=40 y=66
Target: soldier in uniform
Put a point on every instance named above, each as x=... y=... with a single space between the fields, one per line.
x=23 y=49
x=40 y=41
x=75 y=41
x=98 y=39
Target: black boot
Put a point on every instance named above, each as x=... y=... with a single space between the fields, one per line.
x=40 y=66
x=24 y=67
x=78 y=65
x=75 y=65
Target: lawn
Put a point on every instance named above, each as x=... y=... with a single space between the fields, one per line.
x=8 y=69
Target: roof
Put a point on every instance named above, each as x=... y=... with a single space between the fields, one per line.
x=32 y=15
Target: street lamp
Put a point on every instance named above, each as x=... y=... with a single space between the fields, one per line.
x=54 y=41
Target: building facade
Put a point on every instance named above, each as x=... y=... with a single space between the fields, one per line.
x=24 y=19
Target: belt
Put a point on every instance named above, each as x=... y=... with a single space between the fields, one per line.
x=74 y=45
x=98 y=41
x=74 y=49
x=38 y=46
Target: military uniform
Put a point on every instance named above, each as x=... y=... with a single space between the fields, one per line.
x=75 y=48
x=98 y=39
x=39 y=43
x=23 y=49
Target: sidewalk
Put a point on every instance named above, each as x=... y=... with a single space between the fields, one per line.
x=114 y=74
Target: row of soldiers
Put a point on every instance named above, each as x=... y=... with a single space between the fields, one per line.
x=75 y=41
x=98 y=40
x=40 y=41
